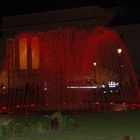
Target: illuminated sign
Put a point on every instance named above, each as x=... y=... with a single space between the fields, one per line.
x=113 y=84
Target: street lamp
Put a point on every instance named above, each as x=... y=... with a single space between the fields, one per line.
x=119 y=51
x=94 y=64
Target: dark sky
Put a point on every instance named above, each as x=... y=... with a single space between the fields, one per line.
x=14 y=7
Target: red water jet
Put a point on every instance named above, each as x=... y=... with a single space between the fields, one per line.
x=67 y=69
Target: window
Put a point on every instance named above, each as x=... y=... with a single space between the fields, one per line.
x=23 y=54
x=35 y=53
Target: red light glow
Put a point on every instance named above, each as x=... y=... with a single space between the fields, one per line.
x=97 y=103
x=67 y=69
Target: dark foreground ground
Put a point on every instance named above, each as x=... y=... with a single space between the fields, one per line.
x=93 y=126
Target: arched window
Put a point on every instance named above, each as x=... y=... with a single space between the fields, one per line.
x=35 y=49
x=23 y=53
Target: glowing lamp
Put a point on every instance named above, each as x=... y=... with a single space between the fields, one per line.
x=3 y=88
x=3 y=107
x=45 y=88
x=119 y=51
x=94 y=64
x=97 y=103
x=103 y=86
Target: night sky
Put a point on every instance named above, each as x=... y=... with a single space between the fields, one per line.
x=19 y=7
x=16 y=7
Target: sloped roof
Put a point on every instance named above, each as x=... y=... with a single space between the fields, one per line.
x=60 y=15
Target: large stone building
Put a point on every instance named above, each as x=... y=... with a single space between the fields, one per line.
x=84 y=18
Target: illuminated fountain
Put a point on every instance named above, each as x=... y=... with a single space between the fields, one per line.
x=67 y=69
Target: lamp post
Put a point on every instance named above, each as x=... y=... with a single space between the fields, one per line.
x=119 y=51
x=94 y=64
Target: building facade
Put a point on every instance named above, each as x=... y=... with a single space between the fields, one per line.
x=45 y=58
